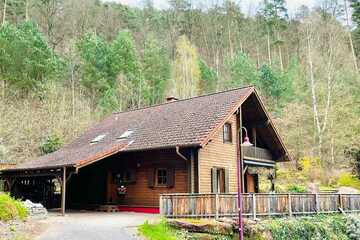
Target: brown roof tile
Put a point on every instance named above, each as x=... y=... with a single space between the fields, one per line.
x=178 y=123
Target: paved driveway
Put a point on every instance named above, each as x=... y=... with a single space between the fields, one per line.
x=94 y=226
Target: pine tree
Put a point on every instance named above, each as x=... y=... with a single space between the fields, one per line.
x=208 y=78
x=156 y=68
x=125 y=62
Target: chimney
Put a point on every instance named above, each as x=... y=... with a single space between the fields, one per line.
x=171 y=99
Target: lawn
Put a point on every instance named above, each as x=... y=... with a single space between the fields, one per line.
x=159 y=231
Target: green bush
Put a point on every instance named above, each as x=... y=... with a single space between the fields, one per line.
x=11 y=209
x=348 y=180
x=325 y=227
x=353 y=227
x=51 y=144
x=295 y=188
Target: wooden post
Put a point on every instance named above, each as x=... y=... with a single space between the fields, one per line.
x=63 y=192
x=217 y=206
x=192 y=172
x=317 y=203
x=289 y=203
x=161 y=205
x=254 y=205
x=341 y=202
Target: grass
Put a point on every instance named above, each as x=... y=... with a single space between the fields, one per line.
x=11 y=209
x=159 y=231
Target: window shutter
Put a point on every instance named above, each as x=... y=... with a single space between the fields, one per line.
x=170 y=177
x=214 y=180
x=226 y=180
x=151 y=178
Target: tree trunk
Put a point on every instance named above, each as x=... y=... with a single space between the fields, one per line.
x=26 y=10
x=268 y=47
x=280 y=57
x=4 y=12
x=313 y=92
x=350 y=38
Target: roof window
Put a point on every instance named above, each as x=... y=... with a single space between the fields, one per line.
x=126 y=134
x=98 y=138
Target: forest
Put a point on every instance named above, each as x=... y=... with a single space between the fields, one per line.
x=65 y=64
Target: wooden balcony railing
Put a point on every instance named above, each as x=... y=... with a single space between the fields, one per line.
x=256 y=204
x=252 y=152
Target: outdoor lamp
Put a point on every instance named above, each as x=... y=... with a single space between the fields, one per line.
x=246 y=142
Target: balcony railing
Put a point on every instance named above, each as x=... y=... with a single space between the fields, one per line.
x=256 y=153
x=256 y=204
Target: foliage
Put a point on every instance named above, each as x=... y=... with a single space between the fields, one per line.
x=50 y=144
x=117 y=69
x=353 y=153
x=294 y=188
x=242 y=72
x=97 y=74
x=156 y=68
x=348 y=180
x=185 y=69
x=26 y=60
x=316 y=227
x=11 y=209
x=353 y=227
x=207 y=78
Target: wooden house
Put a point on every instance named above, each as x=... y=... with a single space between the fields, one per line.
x=6 y=164
x=181 y=146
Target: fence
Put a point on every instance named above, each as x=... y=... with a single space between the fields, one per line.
x=255 y=204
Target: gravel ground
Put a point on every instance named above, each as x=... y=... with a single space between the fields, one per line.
x=94 y=226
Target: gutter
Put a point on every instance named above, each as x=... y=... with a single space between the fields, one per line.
x=180 y=154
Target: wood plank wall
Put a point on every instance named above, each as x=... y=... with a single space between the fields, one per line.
x=138 y=193
x=218 y=154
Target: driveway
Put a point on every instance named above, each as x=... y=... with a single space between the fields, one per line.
x=94 y=226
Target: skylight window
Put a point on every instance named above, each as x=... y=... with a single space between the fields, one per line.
x=98 y=138
x=126 y=134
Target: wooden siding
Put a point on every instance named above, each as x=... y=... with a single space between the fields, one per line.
x=218 y=154
x=138 y=193
x=93 y=185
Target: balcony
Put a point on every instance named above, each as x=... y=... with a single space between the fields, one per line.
x=257 y=156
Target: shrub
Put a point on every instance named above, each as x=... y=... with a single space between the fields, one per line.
x=295 y=188
x=348 y=180
x=11 y=209
x=353 y=227
x=331 y=227
x=51 y=144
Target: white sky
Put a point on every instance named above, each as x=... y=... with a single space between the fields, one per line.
x=248 y=6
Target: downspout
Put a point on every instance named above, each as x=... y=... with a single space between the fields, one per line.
x=180 y=154
x=191 y=161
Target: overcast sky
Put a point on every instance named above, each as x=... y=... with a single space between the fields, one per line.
x=248 y=6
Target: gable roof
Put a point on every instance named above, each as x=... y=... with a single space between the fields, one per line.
x=188 y=122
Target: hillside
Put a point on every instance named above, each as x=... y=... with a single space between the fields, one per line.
x=66 y=64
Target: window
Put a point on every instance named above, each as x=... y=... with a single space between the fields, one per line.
x=161 y=177
x=227 y=133
x=98 y=138
x=126 y=134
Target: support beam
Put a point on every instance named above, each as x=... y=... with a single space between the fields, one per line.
x=192 y=171
x=63 y=192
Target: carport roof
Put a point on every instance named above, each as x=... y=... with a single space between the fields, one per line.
x=188 y=122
